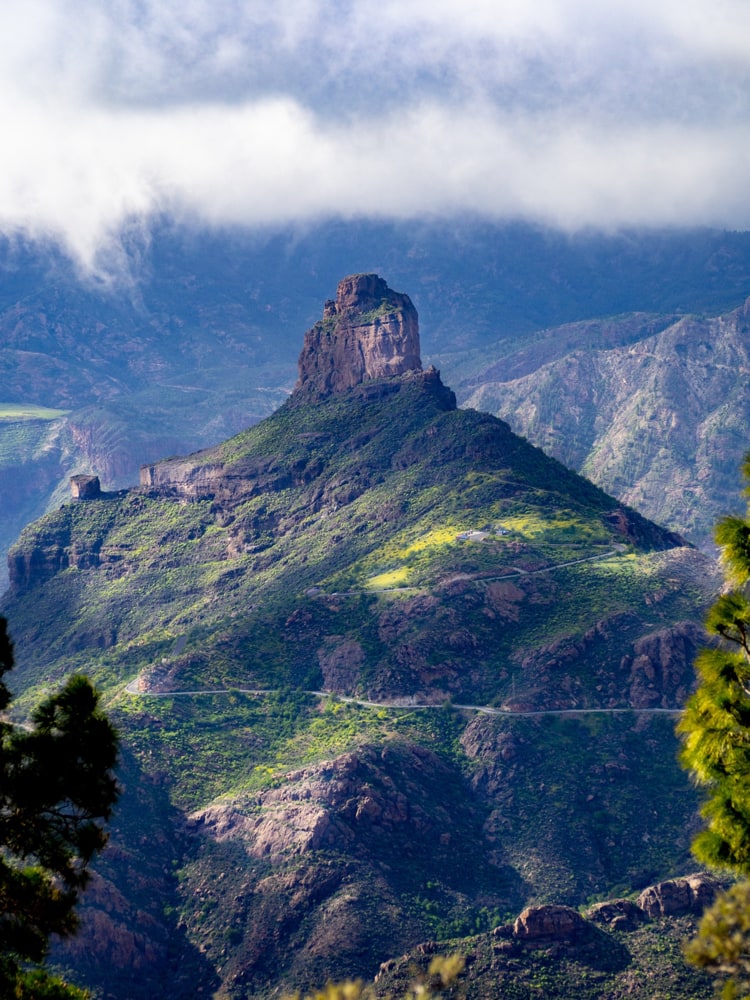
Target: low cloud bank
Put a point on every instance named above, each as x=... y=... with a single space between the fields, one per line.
x=267 y=113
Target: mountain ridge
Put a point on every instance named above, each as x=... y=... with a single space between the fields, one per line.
x=660 y=421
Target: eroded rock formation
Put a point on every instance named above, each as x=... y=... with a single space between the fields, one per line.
x=85 y=487
x=619 y=914
x=551 y=921
x=689 y=894
x=337 y=803
x=367 y=332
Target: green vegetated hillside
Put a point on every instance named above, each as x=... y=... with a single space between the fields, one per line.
x=381 y=546
x=40 y=448
x=653 y=410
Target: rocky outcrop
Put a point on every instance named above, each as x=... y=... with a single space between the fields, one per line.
x=552 y=950
x=188 y=476
x=109 y=927
x=40 y=555
x=658 y=666
x=619 y=914
x=367 y=332
x=341 y=660
x=203 y=476
x=547 y=923
x=29 y=566
x=661 y=666
x=638 y=530
x=550 y=922
x=677 y=896
x=370 y=792
x=85 y=487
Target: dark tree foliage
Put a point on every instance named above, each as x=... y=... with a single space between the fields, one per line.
x=716 y=748
x=722 y=945
x=716 y=724
x=57 y=790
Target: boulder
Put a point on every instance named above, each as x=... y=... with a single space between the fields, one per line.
x=549 y=922
x=85 y=487
x=678 y=896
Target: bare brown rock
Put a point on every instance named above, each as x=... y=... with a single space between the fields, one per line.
x=661 y=666
x=631 y=526
x=658 y=666
x=550 y=922
x=186 y=475
x=689 y=894
x=333 y=804
x=619 y=914
x=85 y=487
x=367 y=332
x=337 y=847
x=504 y=597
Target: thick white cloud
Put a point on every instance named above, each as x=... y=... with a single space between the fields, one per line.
x=571 y=112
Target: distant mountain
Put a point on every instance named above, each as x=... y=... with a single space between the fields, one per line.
x=654 y=410
x=384 y=671
x=196 y=337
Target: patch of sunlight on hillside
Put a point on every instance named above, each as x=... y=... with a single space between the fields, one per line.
x=561 y=528
x=433 y=539
x=629 y=563
x=530 y=525
x=28 y=411
x=391 y=578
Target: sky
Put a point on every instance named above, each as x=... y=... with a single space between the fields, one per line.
x=570 y=113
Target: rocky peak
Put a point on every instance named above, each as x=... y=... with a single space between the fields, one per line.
x=367 y=332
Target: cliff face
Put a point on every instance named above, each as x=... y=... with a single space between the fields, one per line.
x=367 y=332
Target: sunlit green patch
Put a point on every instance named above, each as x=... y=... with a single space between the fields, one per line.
x=29 y=411
x=559 y=527
x=391 y=578
x=433 y=539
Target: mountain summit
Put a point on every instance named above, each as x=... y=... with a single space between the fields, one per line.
x=368 y=332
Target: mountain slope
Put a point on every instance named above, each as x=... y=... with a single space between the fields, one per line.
x=365 y=492
x=377 y=544
x=660 y=421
